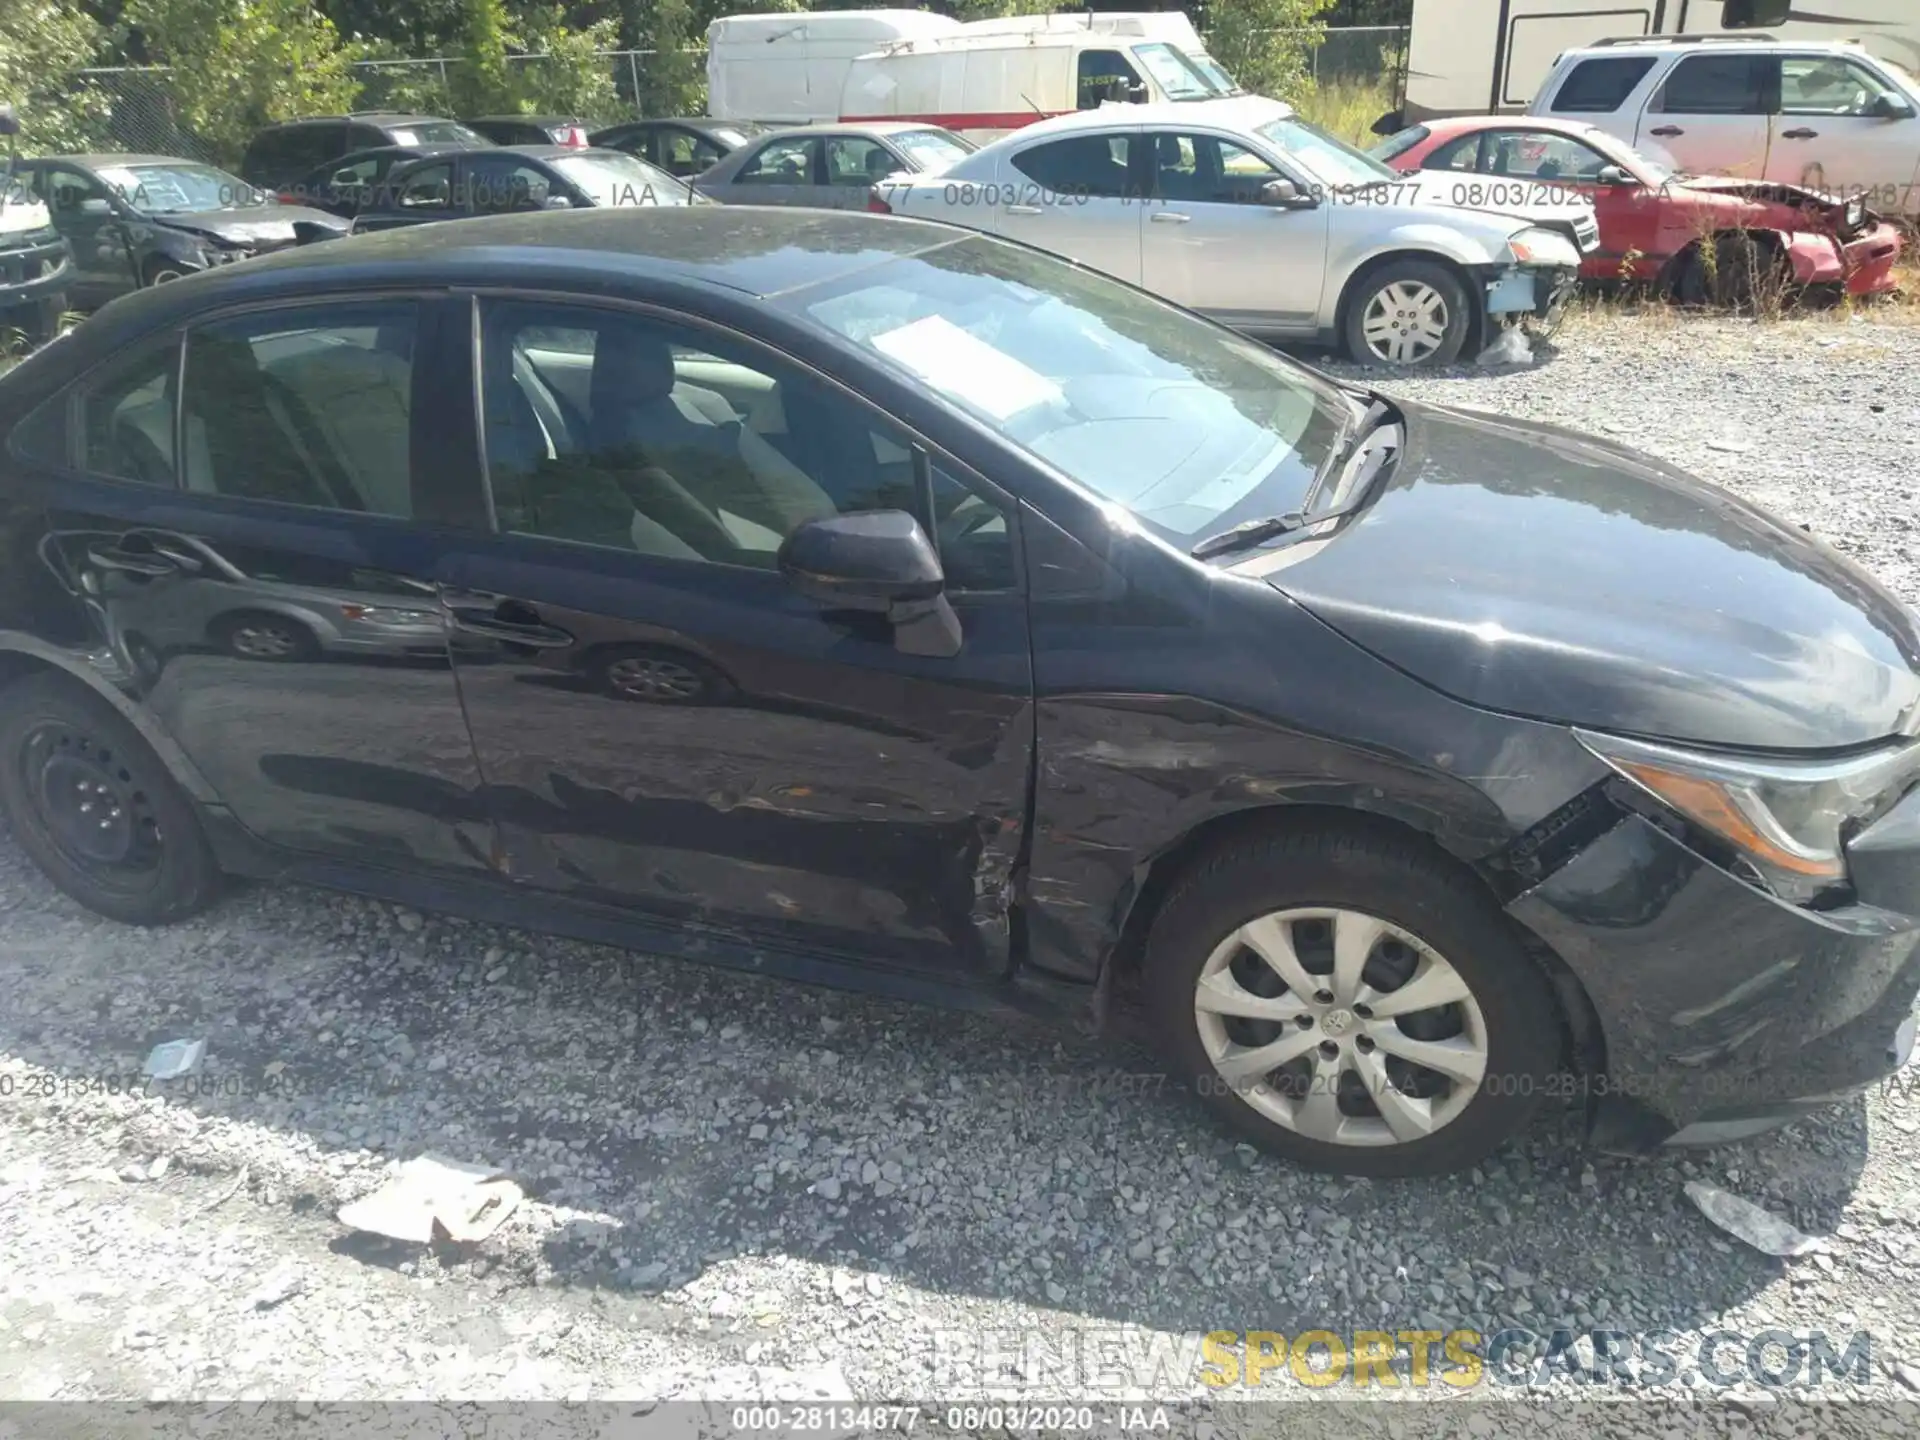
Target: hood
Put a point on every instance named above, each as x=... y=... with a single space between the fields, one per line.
x=20 y=212
x=263 y=227
x=1532 y=570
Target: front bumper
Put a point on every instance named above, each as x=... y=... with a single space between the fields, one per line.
x=35 y=272
x=1723 y=1011
x=1518 y=292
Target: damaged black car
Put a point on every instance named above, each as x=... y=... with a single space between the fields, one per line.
x=871 y=602
x=137 y=220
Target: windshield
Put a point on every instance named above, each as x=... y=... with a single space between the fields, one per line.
x=176 y=189
x=436 y=132
x=614 y=179
x=932 y=149
x=1172 y=73
x=1330 y=161
x=1212 y=71
x=1186 y=424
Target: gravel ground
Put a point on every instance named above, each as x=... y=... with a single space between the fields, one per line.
x=743 y=1190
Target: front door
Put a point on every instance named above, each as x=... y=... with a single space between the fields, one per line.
x=254 y=535
x=1844 y=130
x=1205 y=221
x=783 y=171
x=88 y=218
x=663 y=723
x=1710 y=115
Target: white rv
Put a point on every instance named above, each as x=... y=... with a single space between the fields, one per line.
x=980 y=79
x=1471 y=57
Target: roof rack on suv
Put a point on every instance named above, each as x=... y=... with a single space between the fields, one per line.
x=1684 y=40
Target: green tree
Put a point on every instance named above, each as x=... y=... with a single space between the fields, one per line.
x=565 y=73
x=994 y=9
x=1267 y=45
x=241 y=64
x=42 y=46
x=481 y=85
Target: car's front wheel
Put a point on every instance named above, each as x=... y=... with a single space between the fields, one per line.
x=1348 y=1002
x=1408 y=313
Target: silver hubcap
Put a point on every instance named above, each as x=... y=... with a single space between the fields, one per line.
x=1341 y=1027
x=649 y=679
x=264 y=641
x=1405 y=323
x=163 y=277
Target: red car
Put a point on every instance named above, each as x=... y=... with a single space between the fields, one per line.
x=1652 y=221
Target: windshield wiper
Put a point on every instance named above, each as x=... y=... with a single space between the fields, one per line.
x=1250 y=533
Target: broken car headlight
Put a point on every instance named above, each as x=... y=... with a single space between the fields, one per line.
x=1789 y=819
x=1535 y=246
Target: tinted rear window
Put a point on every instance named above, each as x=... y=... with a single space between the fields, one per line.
x=1597 y=87
x=1718 y=85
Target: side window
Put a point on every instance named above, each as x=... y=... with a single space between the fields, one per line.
x=1823 y=85
x=1599 y=87
x=305 y=406
x=1207 y=169
x=428 y=189
x=1461 y=154
x=853 y=160
x=1542 y=155
x=780 y=162
x=364 y=137
x=1097 y=74
x=686 y=155
x=125 y=415
x=498 y=184
x=608 y=429
x=973 y=536
x=1083 y=165
x=65 y=189
x=1718 y=85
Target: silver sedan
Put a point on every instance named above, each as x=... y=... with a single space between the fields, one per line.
x=832 y=167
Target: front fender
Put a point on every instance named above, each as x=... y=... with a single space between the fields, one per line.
x=1414 y=237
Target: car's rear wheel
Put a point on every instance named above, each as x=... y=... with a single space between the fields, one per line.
x=1408 y=313
x=256 y=635
x=94 y=807
x=1347 y=1001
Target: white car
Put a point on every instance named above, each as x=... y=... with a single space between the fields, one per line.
x=1823 y=116
x=1239 y=209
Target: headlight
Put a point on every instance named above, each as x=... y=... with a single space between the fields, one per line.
x=1788 y=818
x=1541 y=247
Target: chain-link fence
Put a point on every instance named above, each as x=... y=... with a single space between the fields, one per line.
x=138 y=108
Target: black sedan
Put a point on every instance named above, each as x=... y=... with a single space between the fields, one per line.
x=350 y=184
x=876 y=603
x=509 y=178
x=138 y=220
x=682 y=147
x=569 y=130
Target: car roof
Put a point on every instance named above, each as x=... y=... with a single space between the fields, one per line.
x=1231 y=111
x=363 y=117
x=437 y=147
x=104 y=158
x=751 y=250
x=1706 y=45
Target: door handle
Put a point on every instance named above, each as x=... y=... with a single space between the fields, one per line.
x=1666 y=130
x=1803 y=133
x=1024 y=210
x=1169 y=217
x=127 y=562
x=512 y=632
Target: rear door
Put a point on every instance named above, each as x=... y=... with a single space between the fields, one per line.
x=665 y=725
x=1712 y=112
x=785 y=170
x=1082 y=196
x=252 y=530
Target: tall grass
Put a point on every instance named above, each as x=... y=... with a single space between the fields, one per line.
x=1348 y=107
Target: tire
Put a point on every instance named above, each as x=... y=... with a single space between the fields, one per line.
x=151 y=864
x=1509 y=1017
x=1428 y=293
x=260 y=635
x=1743 y=271
x=163 y=272
x=661 y=677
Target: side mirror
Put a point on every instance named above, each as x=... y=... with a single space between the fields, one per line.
x=556 y=202
x=1890 y=107
x=94 y=205
x=1614 y=175
x=1285 y=194
x=880 y=562
x=1137 y=93
x=312 y=232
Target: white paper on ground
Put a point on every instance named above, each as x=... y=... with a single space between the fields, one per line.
x=432 y=1197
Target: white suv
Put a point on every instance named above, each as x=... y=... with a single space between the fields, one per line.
x=1826 y=116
